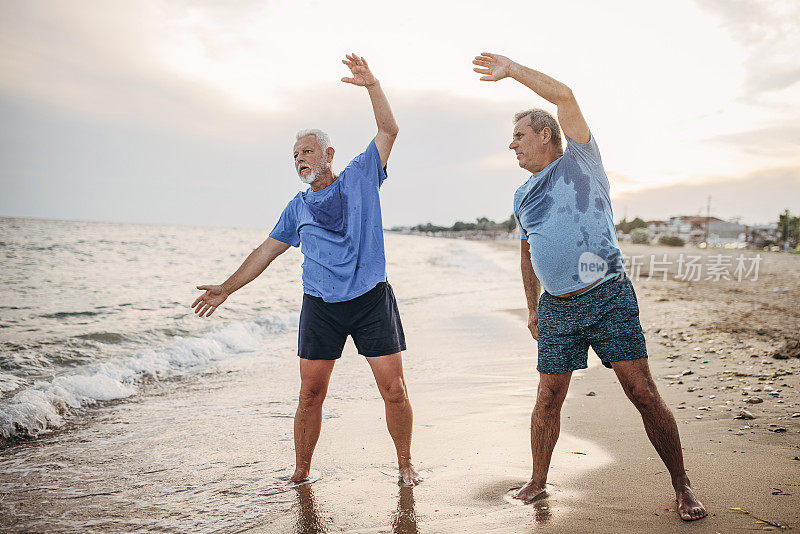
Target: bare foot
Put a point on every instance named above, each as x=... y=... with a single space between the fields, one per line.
x=409 y=475
x=689 y=507
x=530 y=491
x=299 y=475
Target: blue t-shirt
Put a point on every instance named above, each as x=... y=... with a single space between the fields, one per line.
x=564 y=212
x=340 y=231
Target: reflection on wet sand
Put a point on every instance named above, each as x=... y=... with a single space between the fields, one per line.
x=404 y=519
x=310 y=520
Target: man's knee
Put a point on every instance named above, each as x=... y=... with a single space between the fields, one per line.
x=643 y=394
x=395 y=392
x=549 y=398
x=312 y=395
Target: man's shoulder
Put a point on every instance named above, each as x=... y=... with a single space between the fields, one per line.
x=295 y=201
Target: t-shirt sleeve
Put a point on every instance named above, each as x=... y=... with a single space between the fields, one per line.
x=587 y=153
x=522 y=233
x=286 y=230
x=369 y=165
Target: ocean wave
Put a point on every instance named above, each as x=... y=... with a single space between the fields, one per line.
x=46 y=405
x=109 y=338
x=64 y=315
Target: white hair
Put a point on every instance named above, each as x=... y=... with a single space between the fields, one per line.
x=323 y=139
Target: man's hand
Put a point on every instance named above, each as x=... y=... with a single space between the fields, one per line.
x=494 y=66
x=387 y=126
x=362 y=76
x=533 y=323
x=207 y=303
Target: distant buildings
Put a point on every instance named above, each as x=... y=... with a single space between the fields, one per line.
x=712 y=230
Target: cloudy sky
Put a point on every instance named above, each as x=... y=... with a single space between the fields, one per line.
x=185 y=112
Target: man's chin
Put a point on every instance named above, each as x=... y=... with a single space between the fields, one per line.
x=308 y=179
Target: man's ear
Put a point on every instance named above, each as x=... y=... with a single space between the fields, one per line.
x=546 y=134
x=329 y=154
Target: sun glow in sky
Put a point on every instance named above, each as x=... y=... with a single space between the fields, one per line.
x=695 y=94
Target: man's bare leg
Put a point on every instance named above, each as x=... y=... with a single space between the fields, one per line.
x=659 y=423
x=545 y=427
x=314 y=378
x=388 y=372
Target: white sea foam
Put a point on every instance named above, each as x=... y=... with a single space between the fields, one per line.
x=45 y=404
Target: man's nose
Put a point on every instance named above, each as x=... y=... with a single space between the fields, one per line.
x=513 y=145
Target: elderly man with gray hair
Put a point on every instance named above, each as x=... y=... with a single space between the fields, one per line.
x=337 y=223
x=569 y=246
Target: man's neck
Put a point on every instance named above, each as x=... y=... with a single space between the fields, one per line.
x=551 y=157
x=323 y=181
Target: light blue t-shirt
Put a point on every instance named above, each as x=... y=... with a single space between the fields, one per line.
x=564 y=212
x=340 y=231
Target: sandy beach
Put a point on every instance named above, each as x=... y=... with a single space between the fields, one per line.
x=211 y=452
x=716 y=348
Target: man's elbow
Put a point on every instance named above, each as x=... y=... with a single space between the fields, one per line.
x=391 y=131
x=565 y=96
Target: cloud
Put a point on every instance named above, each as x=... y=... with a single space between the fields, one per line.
x=769 y=32
x=758 y=197
x=781 y=140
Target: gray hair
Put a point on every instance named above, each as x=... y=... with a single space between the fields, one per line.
x=541 y=119
x=323 y=139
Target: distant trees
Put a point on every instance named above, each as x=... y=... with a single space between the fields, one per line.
x=481 y=224
x=789 y=228
x=640 y=236
x=671 y=241
x=626 y=227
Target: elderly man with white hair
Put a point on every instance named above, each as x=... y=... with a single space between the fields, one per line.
x=337 y=223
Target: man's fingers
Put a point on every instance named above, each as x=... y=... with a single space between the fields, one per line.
x=481 y=60
x=213 y=309
x=205 y=288
x=196 y=302
x=489 y=55
x=483 y=71
x=349 y=80
x=489 y=78
x=364 y=61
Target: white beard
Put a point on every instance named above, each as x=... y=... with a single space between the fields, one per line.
x=311 y=177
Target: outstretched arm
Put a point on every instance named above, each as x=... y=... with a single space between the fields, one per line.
x=495 y=67
x=532 y=288
x=387 y=126
x=253 y=265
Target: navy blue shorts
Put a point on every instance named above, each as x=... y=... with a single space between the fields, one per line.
x=372 y=319
x=605 y=317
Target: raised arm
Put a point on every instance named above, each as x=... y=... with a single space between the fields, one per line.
x=387 y=126
x=532 y=288
x=495 y=67
x=253 y=265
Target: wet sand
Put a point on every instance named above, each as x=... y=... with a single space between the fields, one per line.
x=218 y=458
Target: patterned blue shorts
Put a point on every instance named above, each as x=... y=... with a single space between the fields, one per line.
x=605 y=317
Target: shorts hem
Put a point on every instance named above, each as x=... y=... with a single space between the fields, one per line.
x=306 y=357
x=608 y=363
x=379 y=353
x=549 y=372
